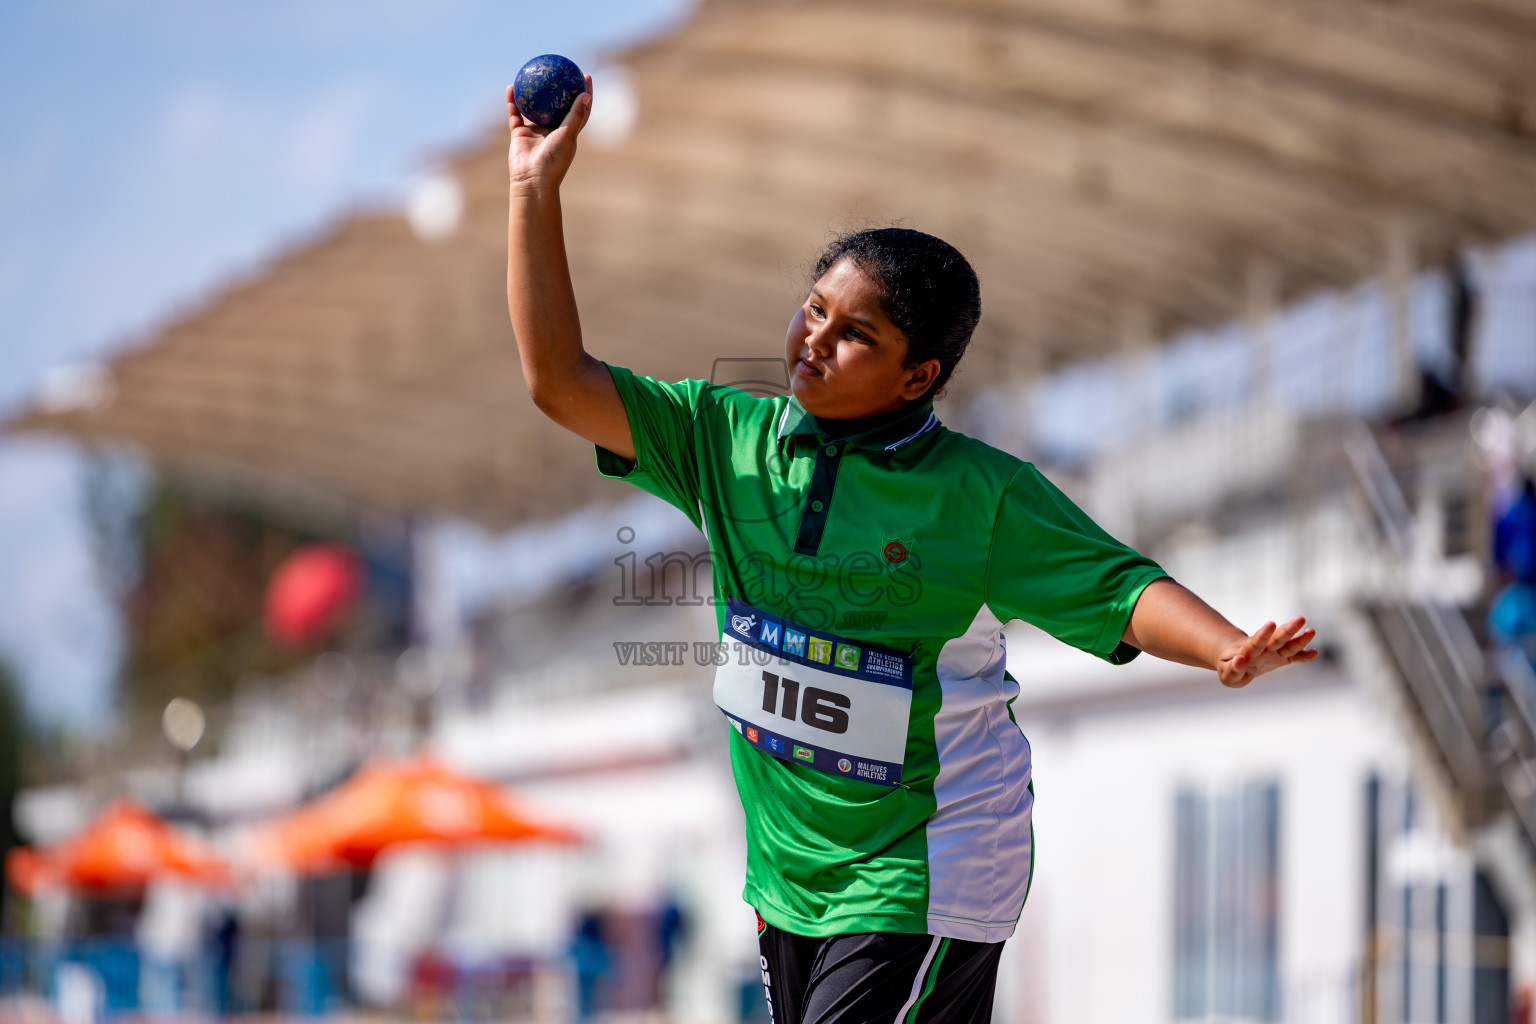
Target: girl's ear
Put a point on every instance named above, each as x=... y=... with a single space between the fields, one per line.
x=920 y=378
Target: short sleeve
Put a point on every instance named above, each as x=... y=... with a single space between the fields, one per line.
x=1053 y=567
x=662 y=419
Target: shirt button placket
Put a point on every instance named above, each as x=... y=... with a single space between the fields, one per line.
x=813 y=520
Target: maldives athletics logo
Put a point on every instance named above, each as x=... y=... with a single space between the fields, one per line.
x=895 y=552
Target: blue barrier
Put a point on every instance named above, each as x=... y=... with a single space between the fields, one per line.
x=303 y=978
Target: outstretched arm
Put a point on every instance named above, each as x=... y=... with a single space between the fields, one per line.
x=1170 y=622
x=568 y=385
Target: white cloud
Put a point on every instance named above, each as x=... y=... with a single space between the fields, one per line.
x=326 y=137
x=324 y=21
x=193 y=122
x=15 y=269
x=290 y=22
x=25 y=170
x=210 y=134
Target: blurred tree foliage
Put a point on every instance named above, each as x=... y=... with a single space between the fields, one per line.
x=189 y=565
x=189 y=572
x=13 y=739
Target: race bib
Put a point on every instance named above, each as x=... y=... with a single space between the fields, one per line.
x=813 y=697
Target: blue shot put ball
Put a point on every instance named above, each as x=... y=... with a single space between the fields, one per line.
x=545 y=88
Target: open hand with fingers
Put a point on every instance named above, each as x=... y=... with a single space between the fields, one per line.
x=1170 y=622
x=539 y=157
x=1269 y=648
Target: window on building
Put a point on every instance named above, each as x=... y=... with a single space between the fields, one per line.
x=1226 y=903
x=1490 y=976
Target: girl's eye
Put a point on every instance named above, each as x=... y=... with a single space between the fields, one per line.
x=816 y=311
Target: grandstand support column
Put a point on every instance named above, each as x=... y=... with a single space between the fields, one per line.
x=439 y=638
x=1137 y=329
x=1136 y=324
x=437 y=620
x=1397 y=280
x=1261 y=298
x=1503 y=853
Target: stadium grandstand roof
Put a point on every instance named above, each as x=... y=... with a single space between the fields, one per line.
x=1114 y=168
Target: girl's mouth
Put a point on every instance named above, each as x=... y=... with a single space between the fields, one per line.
x=805 y=369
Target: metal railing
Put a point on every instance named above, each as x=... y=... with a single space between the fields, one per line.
x=1432 y=645
x=1481 y=717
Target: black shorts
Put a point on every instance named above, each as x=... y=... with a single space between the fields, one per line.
x=876 y=978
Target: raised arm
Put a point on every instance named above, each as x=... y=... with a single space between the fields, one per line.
x=568 y=385
x=1170 y=622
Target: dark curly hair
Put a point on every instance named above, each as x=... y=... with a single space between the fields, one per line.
x=926 y=288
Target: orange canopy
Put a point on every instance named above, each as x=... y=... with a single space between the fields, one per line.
x=124 y=848
x=387 y=803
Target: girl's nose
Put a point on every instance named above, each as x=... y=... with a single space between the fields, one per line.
x=820 y=340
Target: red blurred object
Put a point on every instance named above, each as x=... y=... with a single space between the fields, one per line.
x=124 y=849
x=414 y=801
x=24 y=869
x=311 y=593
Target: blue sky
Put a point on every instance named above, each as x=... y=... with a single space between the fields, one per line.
x=150 y=152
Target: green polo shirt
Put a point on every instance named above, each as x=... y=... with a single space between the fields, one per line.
x=914 y=544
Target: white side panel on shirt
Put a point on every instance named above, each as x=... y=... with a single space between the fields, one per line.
x=979 y=843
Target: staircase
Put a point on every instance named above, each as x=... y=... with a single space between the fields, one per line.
x=1474 y=714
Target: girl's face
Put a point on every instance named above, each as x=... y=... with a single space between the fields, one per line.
x=846 y=359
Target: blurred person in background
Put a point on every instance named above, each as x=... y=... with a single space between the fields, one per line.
x=1512 y=619
x=224 y=939
x=1514 y=536
x=169 y=933
x=1444 y=388
x=591 y=959
x=1512 y=616
x=671 y=928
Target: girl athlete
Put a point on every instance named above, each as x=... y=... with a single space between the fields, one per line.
x=865 y=560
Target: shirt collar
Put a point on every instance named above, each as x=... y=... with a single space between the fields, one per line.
x=889 y=434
